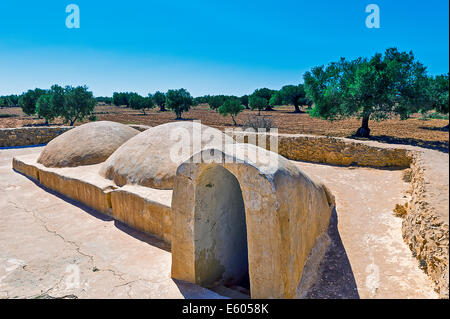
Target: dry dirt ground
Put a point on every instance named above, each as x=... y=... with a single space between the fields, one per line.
x=46 y=241
x=413 y=131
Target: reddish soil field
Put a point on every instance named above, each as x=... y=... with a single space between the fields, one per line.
x=414 y=131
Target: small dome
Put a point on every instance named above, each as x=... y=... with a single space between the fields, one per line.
x=87 y=144
x=151 y=158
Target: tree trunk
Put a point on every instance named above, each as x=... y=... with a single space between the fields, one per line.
x=162 y=108
x=268 y=108
x=234 y=121
x=297 y=109
x=364 y=130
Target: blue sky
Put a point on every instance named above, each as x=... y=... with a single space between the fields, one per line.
x=205 y=46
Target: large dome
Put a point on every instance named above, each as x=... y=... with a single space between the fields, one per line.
x=151 y=158
x=87 y=144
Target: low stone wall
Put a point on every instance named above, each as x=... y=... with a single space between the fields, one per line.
x=136 y=206
x=425 y=227
x=333 y=150
x=24 y=136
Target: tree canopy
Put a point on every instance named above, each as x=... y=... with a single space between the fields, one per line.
x=79 y=103
x=215 y=101
x=257 y=103
x=437 y=93
x=122 y=98
x=179 y=101
x=265 y=94
x=138 y=102
x=159 y=99
x=29 y=99
x=244 y=101
x=44 y=108
x=232 y=107
x=276 y=99
x=374 y=88
x=294 y=95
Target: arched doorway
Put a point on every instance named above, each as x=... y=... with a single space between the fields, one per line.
x=220 y=230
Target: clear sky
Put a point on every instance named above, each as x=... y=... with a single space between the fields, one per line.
x=205 y=46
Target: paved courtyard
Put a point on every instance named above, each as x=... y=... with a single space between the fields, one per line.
x=53 y=247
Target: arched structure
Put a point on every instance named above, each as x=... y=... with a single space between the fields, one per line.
x=285 y=212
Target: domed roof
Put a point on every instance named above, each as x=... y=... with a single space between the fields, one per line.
x=151 y=158
x=87 y=144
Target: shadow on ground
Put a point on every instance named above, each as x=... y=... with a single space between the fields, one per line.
x=336 y=279
x=433 y=145
x=440 y=129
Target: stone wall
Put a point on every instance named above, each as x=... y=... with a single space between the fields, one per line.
x=425 y=226
x=24 y=136
x=333 y=150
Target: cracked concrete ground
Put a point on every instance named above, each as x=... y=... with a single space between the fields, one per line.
x=52 y=247
x=47 y=243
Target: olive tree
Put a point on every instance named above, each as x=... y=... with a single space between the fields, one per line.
x=266 y=94
x=179 y=101
x=244 y=101
x=215 y=101
x=275 y=99
x=79 y=103
x=231 y=107
x=122 y=98
x=138 y=102
x=438 y=96
x=294 y=95
x=159 y=99
x=257 y=103
x=369 y=88
x=27 y=101
x=44 y=108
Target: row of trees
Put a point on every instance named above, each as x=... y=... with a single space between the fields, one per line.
x=376 y=88
x=138 y=102
x=178 y=101
x=70 y=103
x=9 y=100
x=260 y=99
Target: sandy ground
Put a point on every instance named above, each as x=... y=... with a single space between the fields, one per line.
x=368 y=257
x=53 y=247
